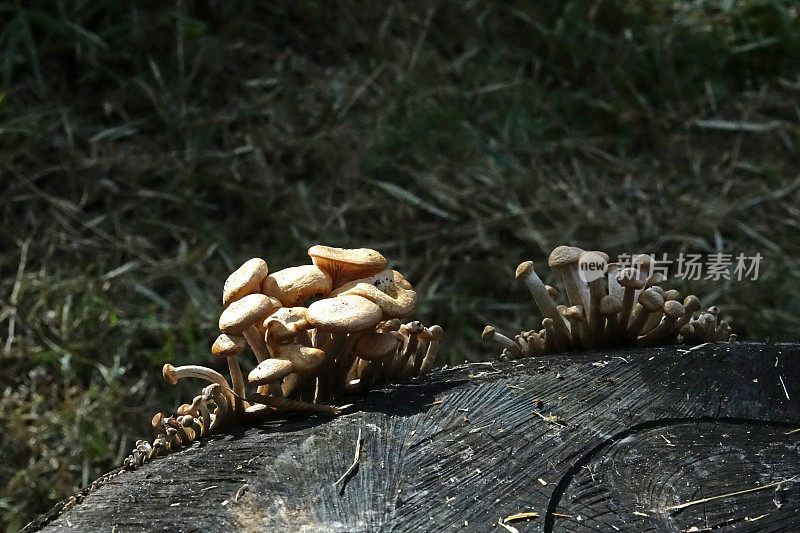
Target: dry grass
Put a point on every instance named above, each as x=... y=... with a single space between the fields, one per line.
x=147 y=151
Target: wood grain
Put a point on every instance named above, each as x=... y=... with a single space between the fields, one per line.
x=637 y=432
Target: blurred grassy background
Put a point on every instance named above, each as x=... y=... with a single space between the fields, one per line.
x=148 y=148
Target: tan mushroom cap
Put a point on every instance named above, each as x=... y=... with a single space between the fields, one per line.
x=564 y=255
x=294 y=284
x=243 y=313
x=388 y=289
x=651 y=300
x=673 y=309
x=269 y=371
x=610 y=305
x=344 y=314
x=630 y=278
x=285 y=323
x=228 y=345
x=304 y=359
x=375 y=345
x=344 y=264
x=244 y=280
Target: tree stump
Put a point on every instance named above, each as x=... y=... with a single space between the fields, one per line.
x=659 y=439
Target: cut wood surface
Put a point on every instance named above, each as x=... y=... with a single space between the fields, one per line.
x=638 y=440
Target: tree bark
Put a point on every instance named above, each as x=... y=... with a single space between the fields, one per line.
x=638 y=435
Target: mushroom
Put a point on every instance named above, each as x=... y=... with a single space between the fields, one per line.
x=409 y=333
x=342 y=316
x=691 y=304
x=550 y=344
x=610 y=306
x=552 y=292
x=578 y=325
x=344 y=265
x=270 y=372
x=490 y=333
x=229 y=347
x=651 y=301
x=437 y=333
x=673 y=310
x=597 y=290
x=547 y=307
x=242 y=316
x=374 y=348
x=565 y=260
x=630 y=281
x=285 y=324
x=244 y=280
x=614 y=288
x=172 y=374
x=294 y=285
x=388 y=289
x=304 y=359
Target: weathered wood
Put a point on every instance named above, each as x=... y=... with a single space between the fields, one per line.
x=643 y=431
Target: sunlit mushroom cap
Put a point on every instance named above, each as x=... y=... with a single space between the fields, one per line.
x=388 y=289
x=170 y=376
x=269 y=371
x=344 y=265
x=375 y=345
x=294 y=284
x=564 y=255
x=344 y=314
x=228 y=345
x=244 y=280
x=285 y=323
x=243 y=313
x=304 y=359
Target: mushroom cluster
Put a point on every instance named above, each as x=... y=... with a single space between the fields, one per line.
x=318 y=332
x=609 y=307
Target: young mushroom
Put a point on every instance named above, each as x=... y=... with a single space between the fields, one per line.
x=490 y=333
x=229 y=347
x=547 y=307
x=624 y=307
x=244 y=280
x=242 y=316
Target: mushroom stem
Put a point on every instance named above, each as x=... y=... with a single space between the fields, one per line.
x=490 y=333
x=238 y=384
x=650 y=302
x=630 y=282
x=691 y=305
x=547 y=307
x=172 y=374
x=256 y=342
x=214 y=393
x=672 y=311
x=550 y=344
x=597 y=290
x=433 y=348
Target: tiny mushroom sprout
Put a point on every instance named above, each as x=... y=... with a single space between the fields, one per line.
x=608 y=306
x=349 y=339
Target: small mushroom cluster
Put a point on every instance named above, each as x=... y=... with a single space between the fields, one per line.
x=616 y=307
x=349 y=338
